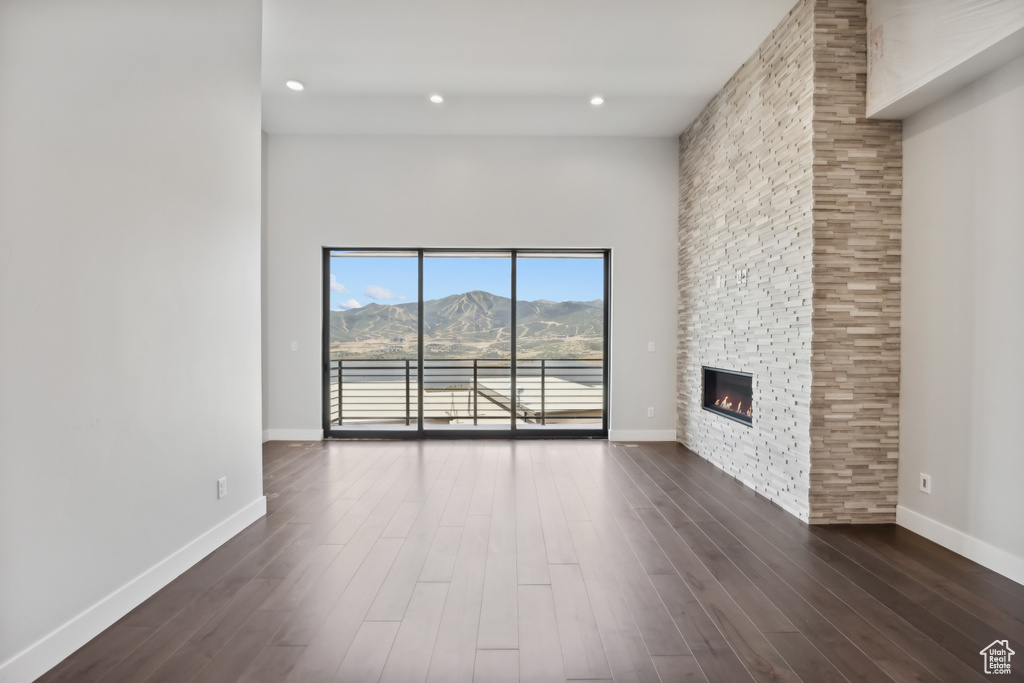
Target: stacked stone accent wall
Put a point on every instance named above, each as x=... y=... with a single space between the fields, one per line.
x=746 y=203
x=855 y=356
x=783 y=176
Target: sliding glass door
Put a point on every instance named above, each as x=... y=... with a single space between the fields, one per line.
x=467 y=323
x=372 y=340
x=432 y=342
x=560 y=341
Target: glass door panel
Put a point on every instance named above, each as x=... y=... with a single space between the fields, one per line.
x=446 y=342
x=373 y=340
x=560 y=340
x=467 y=340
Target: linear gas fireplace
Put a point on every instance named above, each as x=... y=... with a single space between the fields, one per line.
x=730 y=394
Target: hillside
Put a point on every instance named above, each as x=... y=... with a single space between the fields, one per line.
x=471 y=325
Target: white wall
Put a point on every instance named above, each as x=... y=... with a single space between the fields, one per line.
x=129 y=306
x=963 y=321
x=476 y=192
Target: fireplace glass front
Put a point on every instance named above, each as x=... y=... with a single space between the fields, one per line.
x=730 y=394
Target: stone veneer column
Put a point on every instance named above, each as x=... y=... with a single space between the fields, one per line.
x=855 y=353
x=782 y=175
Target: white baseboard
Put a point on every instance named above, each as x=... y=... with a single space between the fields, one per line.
x=293 y=435
x=641 y=435
x=985 y=554
x=45 y=653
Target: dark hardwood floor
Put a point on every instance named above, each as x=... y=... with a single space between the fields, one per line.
x=551 y=561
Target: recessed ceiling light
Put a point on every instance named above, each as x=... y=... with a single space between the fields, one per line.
x=597 y=100
x=295 y=85
x=436 y=99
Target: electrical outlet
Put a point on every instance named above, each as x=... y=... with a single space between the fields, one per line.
x=650 y=346
x=926 y=482
x=295 y=346
x=222 y=487
x=650 y=412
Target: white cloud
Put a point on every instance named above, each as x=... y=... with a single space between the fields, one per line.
x=337 y=286
x=375 y=292
x=346 y=305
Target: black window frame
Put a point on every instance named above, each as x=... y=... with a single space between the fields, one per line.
x=421 y=432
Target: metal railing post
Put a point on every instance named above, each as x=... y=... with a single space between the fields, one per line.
x=340 y=361
x=475 y=390
x=543 y=396
x=407 y=397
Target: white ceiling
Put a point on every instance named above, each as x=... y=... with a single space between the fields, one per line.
x=511 y=67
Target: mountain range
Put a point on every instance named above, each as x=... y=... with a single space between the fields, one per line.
x=472 y=324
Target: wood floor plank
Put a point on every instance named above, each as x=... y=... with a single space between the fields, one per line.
x=294 y=587
x=574 y=462
x=193 y=655
x=393 y=597
x=557 y=542
x=568 y=491
x=656 y=627
x=403 y=520
x=710 y=647
x=507 y=453
x=540 y=656
x=806 y=660
x=531 y=556
x=369 y=651
x=414 y=644
x=483 y=490
x=455 y=648
x=272 y=664
x=440 y=561
x=499 y=622
x=651 y=556
x=757 y=654
x=660 y=489
x=627 y=655
x=679 y=669
x=328 y=646
x=453 y=458
x=582 y=652
x=241 y=649
x=462 y=494
x=351 y=484
x=383 y=488
x=308 y=616
x=496 y=666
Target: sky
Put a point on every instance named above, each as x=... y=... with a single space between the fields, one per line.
x=360 y=280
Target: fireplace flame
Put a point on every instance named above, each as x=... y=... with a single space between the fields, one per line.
x=726 y=404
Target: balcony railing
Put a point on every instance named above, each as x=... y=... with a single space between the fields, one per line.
x=464 y=392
